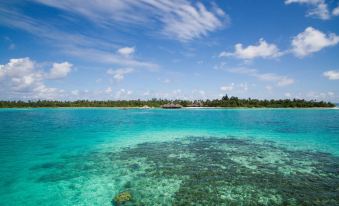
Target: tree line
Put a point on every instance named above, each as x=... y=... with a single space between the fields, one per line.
x=223 y=102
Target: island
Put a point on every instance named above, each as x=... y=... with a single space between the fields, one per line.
x=224 y=102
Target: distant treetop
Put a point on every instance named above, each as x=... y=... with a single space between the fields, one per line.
x=225 y=101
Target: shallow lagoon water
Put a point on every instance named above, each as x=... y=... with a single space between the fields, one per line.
x=78 y=156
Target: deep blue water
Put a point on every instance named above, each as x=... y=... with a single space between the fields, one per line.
x=68 y=156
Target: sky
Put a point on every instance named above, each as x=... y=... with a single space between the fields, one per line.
x=178 y=49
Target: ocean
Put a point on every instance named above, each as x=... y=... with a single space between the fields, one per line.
x=88 y=156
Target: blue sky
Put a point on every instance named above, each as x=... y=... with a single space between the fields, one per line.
x=127 y=49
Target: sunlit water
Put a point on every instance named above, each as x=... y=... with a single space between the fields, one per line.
x=169 y=157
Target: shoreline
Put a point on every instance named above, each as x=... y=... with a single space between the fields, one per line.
x=159 y=108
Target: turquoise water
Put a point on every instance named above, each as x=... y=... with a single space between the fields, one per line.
x=88 y=156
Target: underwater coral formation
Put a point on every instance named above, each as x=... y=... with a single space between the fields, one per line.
x=211 y=171
x=229 y=171
x=122 y=198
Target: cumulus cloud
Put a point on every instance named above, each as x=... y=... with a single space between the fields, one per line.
x=332 y=74
x=335 y=11
x=126 y=51
x=261 y=50
x=319 y=8
x=305 y=43
x=179 y=19
x=20 y=73
x=60 y=70
x=119 y=74
x=312 y=40
x=20 y=79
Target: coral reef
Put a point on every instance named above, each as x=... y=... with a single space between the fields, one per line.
x=229 y=171
x=211 y=171
x=122 y=198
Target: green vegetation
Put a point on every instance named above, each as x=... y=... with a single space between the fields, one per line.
x=223 y=102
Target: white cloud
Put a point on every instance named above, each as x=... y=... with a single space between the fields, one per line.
x=147 y=93
x=108 y=90
x=288 y=94
x=202 y=92
x=109 y=58
x=123 y=94
x=174 y=94
x=269 y=88
x=227 y=88
x=319 y=8
x=167 y=81
x=335 y=11
x=312 y=40
x=262 y=50
x=186 y=21
x=241 y=87
x=20 y=78
x=126 y=51
x=119 y=74
x=60 y=70
x=78 y=45
x=307 y=42
x=329 y=95
x=176 y=91
x=280 y=80
x=179 y=19
x=20 y=74
x=75 y=92
x=177 y=94
x=196 y=94
x=332 y=74
x=99 y=80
